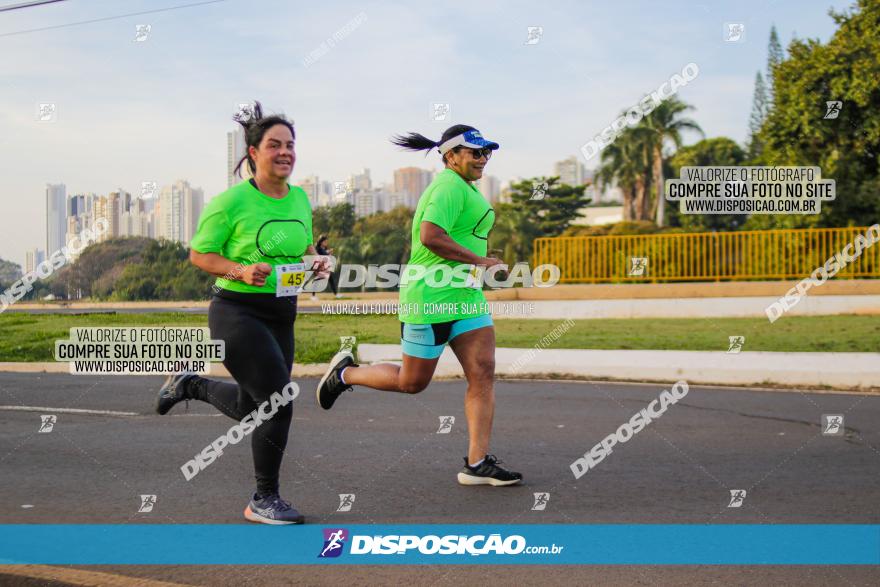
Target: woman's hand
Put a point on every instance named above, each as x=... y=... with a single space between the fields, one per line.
x=488 y=262
x=256 y=274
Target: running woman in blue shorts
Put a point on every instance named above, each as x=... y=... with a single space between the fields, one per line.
x=441 y=299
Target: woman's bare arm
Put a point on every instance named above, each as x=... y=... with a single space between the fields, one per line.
x=220 y=266
x=440 y=243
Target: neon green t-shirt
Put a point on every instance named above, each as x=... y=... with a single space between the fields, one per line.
x=247 y=226
x=460 y=209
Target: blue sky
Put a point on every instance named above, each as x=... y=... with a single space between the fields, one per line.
x=160 y=109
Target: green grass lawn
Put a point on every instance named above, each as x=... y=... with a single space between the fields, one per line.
x=31 y=337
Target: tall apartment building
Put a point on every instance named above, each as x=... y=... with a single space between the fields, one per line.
x=311 y=185
x=571 y=171
x=114 y=210
x=33 y=258
x=367 y=202
x=103 y=209
x=395 y=199
x=178 y=211
x=412 y=181
x=490 y=187
x=193 y=204
x=235 y=150
x=56 y=216
x=361 y=181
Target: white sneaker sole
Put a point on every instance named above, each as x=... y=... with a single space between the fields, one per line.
x=252 y=516
x=474 y=480
x=333 y=362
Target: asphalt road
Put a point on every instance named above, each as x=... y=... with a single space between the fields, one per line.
x=385 y=449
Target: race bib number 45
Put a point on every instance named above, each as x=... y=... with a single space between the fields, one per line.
x=289 y=279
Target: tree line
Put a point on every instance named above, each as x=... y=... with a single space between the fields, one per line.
x=787 y=127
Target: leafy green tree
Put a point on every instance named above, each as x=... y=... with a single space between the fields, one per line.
x=386 y=236
x=719 y=151
x=775 y=55
x=556 y=210
x=100 y=259
x=9 y=273
x=334 y=221
x=846 y=148
x=163 y=272
x=526 y=218
x=513 y=233
x=377 y=239
x=760 y=108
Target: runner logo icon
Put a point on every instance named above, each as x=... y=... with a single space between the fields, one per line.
x=832 y=109
x=737 y=496
x=736 y=343
x=47 y=422
x=334 y=540
x=832 y=425
x=638 y=266
x=541 y=500
x=346 y=343
x=446 y=423
x=346 y=500
x=147 y=503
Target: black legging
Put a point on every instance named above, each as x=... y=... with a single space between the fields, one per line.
x=258 y=333
x=331 y=281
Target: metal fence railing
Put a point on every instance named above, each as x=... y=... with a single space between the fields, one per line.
x=704 y=256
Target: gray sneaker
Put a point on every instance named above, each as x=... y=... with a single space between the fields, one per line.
x=272 y=510
x=489 y=472
x=173 y=391
x=331 y=386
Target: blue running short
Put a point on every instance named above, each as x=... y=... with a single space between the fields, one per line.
x=426 y=341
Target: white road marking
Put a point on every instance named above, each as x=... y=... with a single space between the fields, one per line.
x=67 y=411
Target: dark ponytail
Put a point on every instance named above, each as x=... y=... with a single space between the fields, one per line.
x=255 y=126
x=416 y=142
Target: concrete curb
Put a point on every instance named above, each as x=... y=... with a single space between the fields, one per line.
x=634 y=289
x=836 y=370
x=811 y=370
x=745 y=307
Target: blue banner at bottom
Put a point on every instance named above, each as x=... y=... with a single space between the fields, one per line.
x=570 y=544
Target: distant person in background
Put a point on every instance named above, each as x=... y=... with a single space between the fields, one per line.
x=322 y=248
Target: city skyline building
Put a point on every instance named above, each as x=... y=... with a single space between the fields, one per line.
x=570 y=171
x=56 y=216
x=235 y=150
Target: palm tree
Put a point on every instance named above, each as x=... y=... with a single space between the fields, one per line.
x=665 y=124
x=627 y=162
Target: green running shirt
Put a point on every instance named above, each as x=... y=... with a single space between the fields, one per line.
x=460 y=209
x=247 y=226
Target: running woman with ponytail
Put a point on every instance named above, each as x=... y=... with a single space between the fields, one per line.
x=450 y=230
x=247 y=236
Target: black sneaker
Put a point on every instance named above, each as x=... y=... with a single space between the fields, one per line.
x=331 y=386
x=487 y=473
x=173 y=391
x=272 y=510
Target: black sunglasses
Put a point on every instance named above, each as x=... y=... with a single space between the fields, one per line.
x=478 y=153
